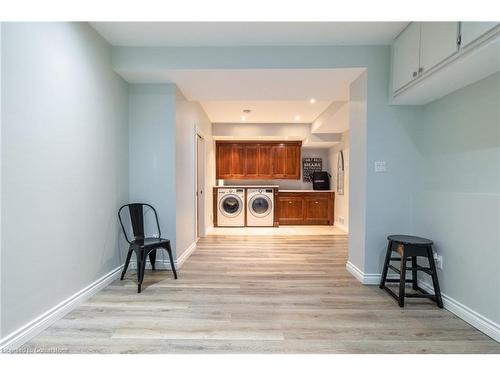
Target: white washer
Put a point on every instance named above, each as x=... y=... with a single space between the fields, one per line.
x=260 y=207
x=231 y=207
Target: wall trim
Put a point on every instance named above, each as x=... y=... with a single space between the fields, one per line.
x=341 y=226
x=478 y=321
x=485 y=325
x=164 y=264
x=43 y=321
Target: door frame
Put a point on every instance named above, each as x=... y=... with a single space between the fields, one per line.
x=199 y=222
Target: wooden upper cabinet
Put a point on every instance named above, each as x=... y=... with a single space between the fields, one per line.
x=292 y=162
x=223 y=163
x=252 y=161
x=264 y=161
x=238 y=161
x=258 y=160
x=278 y=157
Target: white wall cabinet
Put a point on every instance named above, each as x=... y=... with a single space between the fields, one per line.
x=406 y=50
x=432 y=59
x=471 y=31
x=438 y=41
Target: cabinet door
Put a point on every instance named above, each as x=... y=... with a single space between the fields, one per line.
x=238 y=161
x=265 y=166
x=292 y=163
x=317 y=210
x=405 y=56
x=470 y=31
x=278 y=159
x=224 y=160
x=438 y=41
x=251 y=161
x=291 y=209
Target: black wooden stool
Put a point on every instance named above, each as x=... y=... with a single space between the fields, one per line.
x=409 y=248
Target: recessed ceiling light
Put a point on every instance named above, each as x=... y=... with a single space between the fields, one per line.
x=297 y=118
x=243 y=118
x=312 y=100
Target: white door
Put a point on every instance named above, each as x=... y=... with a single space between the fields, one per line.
x=406 y=51
x=470 y=31
x=200 y=186
x=438 y=41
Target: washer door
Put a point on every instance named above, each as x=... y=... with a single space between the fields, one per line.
x=230 y=205
x=260 y=206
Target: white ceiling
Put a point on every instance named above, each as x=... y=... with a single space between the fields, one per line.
x=212 y=34
x=273 y=95
x=264 y=111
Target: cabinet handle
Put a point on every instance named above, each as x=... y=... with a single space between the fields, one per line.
x=316 y=202
x=414 y=74
x=289 y=202
x=421 y=69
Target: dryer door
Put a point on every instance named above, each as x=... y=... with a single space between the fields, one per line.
x=260 y=206
x=230 y=205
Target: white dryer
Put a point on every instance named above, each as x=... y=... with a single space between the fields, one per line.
x=230 y=207
x=260 y=207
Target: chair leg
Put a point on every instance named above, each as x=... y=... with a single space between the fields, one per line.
x=152 y=259
x=169 y=251
x=141 y=268
x=127 y=261
x=435 y=282
x=402 y=281
x=414 y=266
x=386 y=265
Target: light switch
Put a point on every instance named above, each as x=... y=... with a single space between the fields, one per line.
x=380 y=167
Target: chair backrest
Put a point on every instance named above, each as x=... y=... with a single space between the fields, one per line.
x=137 y=212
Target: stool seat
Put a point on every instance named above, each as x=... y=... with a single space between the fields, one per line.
x=409 y=240
x=410 y=248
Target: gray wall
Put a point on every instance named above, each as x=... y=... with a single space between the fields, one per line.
x=152 y=151
x=64 y=165
x=458 y=201
x=189 y=117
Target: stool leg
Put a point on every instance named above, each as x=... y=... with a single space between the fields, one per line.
x=414 y=266
x=386 y=265
x=435 y=282
x=402 y=280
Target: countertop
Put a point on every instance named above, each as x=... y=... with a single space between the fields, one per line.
x=306 y=191
x=248 y=186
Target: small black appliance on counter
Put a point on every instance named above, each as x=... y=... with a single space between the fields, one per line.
x=321 y=180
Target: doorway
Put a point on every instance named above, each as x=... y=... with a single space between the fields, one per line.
x=200 y=186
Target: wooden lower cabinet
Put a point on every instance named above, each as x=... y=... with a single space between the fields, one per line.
x=305 y=208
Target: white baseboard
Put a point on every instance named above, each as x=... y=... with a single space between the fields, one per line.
x=341 y=226
x=472 y=317
x=40 y=323
x=364 y=278
x=164 y=263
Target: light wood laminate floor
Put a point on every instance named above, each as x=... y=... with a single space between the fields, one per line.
x=266 y=294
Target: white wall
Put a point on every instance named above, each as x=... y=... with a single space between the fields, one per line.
x=278 y=131
x=457 y=204
x=64 y=165
x=341 y=201
x=190 y=117
x=152 y=133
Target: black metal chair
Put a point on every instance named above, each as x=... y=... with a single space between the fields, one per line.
x=141 y=245
x=409 y=248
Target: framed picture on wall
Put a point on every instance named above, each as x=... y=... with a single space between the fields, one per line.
x=340 y=173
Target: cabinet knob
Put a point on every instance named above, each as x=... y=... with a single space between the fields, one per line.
x=316 y=202
x=414 y=74
x=290 y=202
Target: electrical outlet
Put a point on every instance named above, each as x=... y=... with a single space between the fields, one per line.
x=380 y=167
x=341 y=219
x=438 y=259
